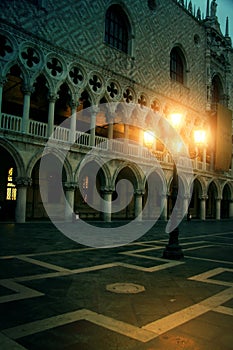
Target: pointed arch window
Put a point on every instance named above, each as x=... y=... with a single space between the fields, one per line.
x=217 y=90
x=117 y=28
x=177 y=66
x=11 y=188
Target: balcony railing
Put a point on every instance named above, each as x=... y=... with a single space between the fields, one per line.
x=37 y=128
x=120 y=146
x=10 y=122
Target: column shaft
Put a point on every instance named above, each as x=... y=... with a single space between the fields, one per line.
x=21 y=198
x=203 y=208
x=107 y=206
x=164 y=211
x=231 y=209
x=138 y=206
x=69 y=206
x=218 y=209
x=92 y=128
x=26 y=110
x=51 y=115
x=73 y=124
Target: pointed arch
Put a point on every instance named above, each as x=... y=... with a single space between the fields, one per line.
x=117 y=28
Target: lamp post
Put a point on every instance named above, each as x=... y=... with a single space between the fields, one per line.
x=173 y=249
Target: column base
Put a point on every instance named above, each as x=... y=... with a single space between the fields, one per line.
x=173 y=252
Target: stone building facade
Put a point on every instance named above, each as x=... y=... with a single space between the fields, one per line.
x=87 y=79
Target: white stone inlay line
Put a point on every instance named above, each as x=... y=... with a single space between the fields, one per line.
x=144 y=334
x=178 y=318
x=21 y=292
x=224 y=310
x=93 y=317
x=43 y=264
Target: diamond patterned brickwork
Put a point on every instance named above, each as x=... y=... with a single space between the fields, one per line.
x=78 y=27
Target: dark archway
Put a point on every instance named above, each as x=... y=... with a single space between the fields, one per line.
x=225 y=202
x=52 y=186
x=153 y=201
x=89 y=193
x=39 y=100
x=194 y=205
x=211 y=201
x=12 y=96
x=124 y=193
x=8 y=191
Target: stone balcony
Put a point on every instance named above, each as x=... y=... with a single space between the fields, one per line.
x=130 y=149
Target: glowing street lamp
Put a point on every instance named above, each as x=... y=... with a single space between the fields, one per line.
x=149 y=138
x=199 y=137
x=173 y=250
x=176 y=120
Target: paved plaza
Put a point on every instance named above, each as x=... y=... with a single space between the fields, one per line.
x=58 y=294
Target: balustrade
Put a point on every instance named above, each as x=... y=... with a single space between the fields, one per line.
x=60 y=133
x=11 y=122
x=37 y=128
x=128 y=147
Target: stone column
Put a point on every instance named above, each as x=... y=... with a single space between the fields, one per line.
x=94 y=111
x=164 y=211
x=2 y=82
x=218 y=208
x=21 y=199
x=138 y=205
x=69 y=205
x=204 y=159
x=141 y=141
x=126 y=137
x=52 y=100
x=107 y=205
x=203 y=208
x=73 y=123
x=231 y=209
x=110 y=135
x=27 y=90
x=185 y=204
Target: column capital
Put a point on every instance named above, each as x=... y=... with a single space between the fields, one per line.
x=70 y=186
x=203 y=198
x=23 y=181
x=27 y=89
x=107 y=190
x=52 y=97
x=3 y=80
x=94 y=109
x=74 y=103
x=139 y=193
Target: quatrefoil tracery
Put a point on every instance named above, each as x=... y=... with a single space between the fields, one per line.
x=55 y=67
x=30 y=57
x=112 y=89
x=95 y=83
x=76 y=75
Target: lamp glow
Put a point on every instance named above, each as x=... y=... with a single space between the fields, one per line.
x=149 y=138
x=176 y=119
x=199 y=136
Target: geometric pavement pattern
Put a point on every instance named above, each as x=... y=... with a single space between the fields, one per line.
x=143 y=258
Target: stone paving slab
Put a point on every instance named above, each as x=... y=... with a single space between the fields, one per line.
x=54 y=293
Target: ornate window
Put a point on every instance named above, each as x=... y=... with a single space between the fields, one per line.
x=11 y=189
x=177 y=66
x=117 y=28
